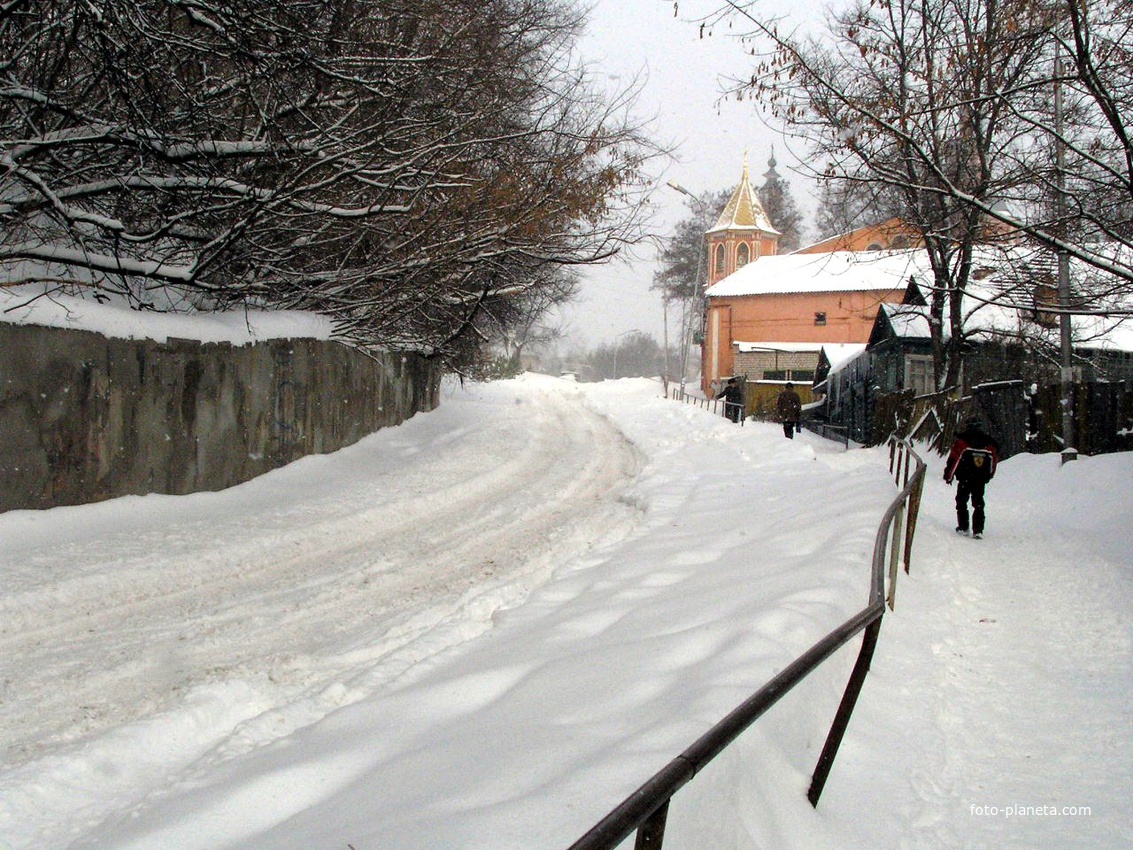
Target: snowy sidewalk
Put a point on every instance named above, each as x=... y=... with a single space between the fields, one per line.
x=998 y=712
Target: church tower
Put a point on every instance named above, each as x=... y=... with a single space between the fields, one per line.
x=743 y=232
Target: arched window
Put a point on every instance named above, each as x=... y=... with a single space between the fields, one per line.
x=743 y=254
x=720 y=268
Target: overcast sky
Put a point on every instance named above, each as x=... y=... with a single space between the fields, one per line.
x=682 y=84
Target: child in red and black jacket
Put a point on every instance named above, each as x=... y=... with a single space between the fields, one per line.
x=972 y=463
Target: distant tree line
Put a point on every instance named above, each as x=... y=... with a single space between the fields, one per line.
x=424 y=172
x=633 y=355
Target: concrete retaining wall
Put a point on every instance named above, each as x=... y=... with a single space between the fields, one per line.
x=84 y=417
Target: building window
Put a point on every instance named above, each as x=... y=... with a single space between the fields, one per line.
x=719 y=264
x=820 y=318
x=743 y=254
x=918 y=374
x=797 y=376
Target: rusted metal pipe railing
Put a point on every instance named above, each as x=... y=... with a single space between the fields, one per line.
x=712 y=404
x=646 y=809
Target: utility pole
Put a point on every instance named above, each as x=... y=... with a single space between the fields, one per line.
x=687 y=315
x=1069 y=452
x=665 y=342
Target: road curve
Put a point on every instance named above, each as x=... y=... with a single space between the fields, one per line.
x=349 y=567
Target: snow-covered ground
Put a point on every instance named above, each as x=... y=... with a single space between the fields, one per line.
x=483 y=628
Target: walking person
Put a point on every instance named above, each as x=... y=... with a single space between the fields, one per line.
x=790 y=409
x=972 y=463
x=733 y=396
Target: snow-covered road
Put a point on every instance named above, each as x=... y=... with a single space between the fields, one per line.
x=485 y=627
x=396 y=554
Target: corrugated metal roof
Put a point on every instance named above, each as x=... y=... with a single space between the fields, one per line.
x=748 y=347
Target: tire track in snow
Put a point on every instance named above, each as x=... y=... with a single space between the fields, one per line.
x=319 y=589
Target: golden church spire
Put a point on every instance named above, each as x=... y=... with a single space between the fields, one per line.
x=742 y=234
x=744 y=210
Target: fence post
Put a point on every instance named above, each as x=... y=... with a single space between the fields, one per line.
x=914 y=512
x=651 y=834
x=845 y=710
x=895 y=549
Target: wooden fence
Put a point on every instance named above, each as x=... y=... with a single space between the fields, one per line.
x=1022 y=417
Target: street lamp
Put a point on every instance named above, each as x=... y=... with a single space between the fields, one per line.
x=679 y=188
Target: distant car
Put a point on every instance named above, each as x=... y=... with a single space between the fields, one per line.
x=569 y=376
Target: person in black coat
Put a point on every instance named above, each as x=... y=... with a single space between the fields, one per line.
x=733 y=395
x=789 y=406
x=971 y=462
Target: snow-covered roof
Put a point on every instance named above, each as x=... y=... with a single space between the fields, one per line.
x=1000 y=303
x=838 y=354
x=994 y=321
x=791 y=347
x=839 y=271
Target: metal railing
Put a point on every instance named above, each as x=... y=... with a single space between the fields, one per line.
x=836 y=433
x=908 y=472
x=646 y=809
x=714 y=405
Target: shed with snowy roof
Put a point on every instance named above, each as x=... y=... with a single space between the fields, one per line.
x=1011 y=331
